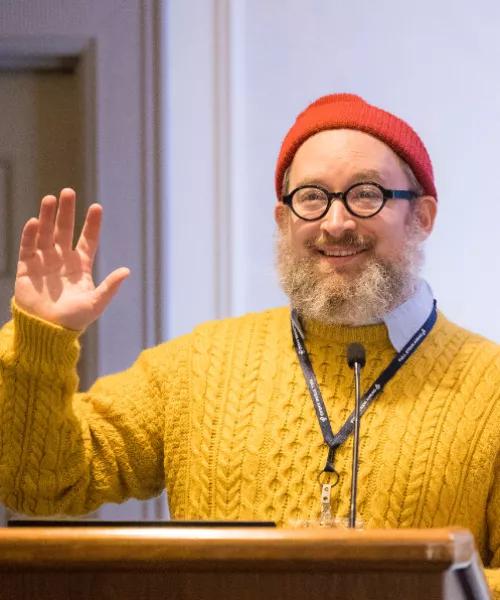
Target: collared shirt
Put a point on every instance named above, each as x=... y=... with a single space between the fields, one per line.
x=404 y=320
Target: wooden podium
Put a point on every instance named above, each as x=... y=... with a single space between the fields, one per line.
x=144 y=563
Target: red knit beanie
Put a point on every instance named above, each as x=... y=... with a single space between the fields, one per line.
x=347 y=111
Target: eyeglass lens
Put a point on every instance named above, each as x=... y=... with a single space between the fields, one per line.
x=363 y=200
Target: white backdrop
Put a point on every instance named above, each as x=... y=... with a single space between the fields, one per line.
x=238 y=72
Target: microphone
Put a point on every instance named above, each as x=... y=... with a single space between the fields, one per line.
x=356 y=359
x=356 y=354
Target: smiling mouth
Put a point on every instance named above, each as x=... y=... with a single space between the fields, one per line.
x=340 y=252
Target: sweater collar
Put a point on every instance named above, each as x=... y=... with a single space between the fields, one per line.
x=397 y=328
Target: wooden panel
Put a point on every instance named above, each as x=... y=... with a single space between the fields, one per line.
x=5 y=227
x=221 y=585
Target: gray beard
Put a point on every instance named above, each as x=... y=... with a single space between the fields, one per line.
x=355 y=299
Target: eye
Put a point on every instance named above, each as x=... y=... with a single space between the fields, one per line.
x=365 y=199
x=310 y=196
x=365 y=194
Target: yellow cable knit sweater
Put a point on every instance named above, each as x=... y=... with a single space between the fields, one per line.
x=223 y=417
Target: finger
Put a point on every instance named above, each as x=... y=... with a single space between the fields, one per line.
x=105 y=291
x=89 y=238
x=28 y=245
x=46 y=217
x=65 y=219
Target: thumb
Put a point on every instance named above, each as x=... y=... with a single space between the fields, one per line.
x=105 y=291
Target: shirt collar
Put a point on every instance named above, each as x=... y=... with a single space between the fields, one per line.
x=405 y=319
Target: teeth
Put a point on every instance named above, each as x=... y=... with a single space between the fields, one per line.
x=340 y=252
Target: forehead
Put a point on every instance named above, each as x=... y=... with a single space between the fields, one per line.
x=335 y=155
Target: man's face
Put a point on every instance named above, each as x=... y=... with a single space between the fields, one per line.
x=352 y=260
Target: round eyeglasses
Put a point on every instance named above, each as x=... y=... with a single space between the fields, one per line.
x=364 y=200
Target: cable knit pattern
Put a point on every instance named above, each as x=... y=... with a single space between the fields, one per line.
x=223 y=418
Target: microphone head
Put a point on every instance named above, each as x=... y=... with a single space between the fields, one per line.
x=356 y=354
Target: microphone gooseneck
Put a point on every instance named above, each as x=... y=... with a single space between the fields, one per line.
x=356 y=359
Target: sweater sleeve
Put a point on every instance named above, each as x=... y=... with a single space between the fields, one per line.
x=493 y=569
x=63 y=452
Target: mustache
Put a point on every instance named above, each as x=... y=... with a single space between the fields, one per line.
x=348 y=240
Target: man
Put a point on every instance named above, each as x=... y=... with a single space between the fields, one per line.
x=237 y=419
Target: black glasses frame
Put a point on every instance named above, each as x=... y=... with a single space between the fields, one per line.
x=342 y=196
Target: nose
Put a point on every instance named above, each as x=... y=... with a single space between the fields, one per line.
x=338 y=219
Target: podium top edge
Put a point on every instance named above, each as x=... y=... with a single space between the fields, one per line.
x=177 y=545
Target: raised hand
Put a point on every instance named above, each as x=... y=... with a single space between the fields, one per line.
x=54 y=280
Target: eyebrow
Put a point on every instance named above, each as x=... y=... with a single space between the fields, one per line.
x=368 y=175
x=359 y=176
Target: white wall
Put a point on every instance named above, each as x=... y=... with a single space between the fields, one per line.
x=433 y=63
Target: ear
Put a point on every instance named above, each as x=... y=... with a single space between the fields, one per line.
x=426 y=211
x=280 y=214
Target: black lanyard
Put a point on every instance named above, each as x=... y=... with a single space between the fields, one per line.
x=333 y=441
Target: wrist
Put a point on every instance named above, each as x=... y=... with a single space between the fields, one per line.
x=42 y=345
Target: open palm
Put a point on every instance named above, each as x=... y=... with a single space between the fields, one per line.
x=54 y=280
